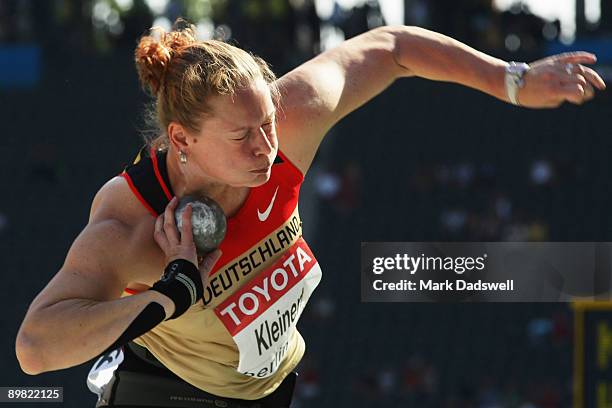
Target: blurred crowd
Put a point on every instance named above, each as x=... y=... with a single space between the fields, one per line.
x=284 y=31
x=492 y=217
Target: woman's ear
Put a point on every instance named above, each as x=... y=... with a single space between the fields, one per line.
x=177 y=135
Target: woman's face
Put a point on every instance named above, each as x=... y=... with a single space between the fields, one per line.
x=237 y=144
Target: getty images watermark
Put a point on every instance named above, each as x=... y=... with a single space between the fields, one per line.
x=411 y=265
x=485 y=271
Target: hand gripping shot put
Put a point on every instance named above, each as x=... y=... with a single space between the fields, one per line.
x=207 y=221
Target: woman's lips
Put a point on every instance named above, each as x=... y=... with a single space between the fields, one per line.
x=262 y=170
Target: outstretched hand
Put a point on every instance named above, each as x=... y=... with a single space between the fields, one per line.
x=553 y=80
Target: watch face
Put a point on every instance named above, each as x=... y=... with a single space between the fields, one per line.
x=515 y=70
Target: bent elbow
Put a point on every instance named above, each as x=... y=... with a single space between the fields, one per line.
x=28 y=355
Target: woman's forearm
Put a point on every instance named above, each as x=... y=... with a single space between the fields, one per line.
x=438 y=57
x=74 y=331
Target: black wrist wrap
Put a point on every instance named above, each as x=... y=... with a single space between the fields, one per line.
x=182 y=283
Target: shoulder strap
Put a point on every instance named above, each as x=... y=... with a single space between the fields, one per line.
x=148 y=179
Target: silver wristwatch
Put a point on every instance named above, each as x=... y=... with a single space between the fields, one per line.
x=515 y=71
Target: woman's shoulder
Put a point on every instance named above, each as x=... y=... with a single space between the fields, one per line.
x=116 y=201
x=116 y=206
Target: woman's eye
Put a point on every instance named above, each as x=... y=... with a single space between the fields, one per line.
x=267 y=126
x=242 y=138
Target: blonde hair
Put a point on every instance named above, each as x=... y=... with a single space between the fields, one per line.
x=182 y=73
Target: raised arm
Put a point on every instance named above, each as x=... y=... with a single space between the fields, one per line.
x=548 y=83
x=320 y=92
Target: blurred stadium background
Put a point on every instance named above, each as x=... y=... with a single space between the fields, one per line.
x=423 y=161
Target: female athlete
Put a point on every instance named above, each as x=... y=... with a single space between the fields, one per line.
x=221 y=331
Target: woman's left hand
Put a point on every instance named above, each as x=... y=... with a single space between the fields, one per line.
x=553 y=80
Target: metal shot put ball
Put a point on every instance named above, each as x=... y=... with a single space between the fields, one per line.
x=207 y=222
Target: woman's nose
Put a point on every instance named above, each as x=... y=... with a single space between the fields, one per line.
x=262 y=142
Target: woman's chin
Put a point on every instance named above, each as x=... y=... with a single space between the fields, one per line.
x=259 y=179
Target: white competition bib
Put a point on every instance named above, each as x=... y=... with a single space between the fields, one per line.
x=261 y=316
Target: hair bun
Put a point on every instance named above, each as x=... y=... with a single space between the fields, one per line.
x=155 y=51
